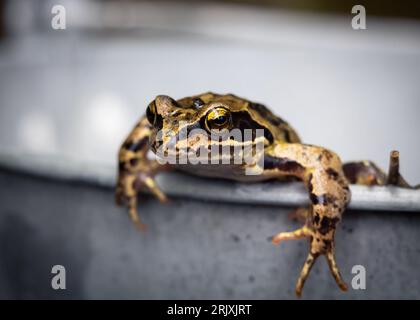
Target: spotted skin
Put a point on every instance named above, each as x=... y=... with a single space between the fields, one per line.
x=321 y=172
x=136 y=172
x=284 y=157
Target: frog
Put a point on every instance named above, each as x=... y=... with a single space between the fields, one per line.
x=282 y=156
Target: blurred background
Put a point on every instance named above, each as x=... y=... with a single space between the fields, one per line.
x=78 y=92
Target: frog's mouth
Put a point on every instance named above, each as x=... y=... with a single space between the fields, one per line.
x=211 y=152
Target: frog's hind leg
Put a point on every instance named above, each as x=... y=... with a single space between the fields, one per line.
x=364 y=173
x=369 y=174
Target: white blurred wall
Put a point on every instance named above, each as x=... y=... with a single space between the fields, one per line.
x=79 y=91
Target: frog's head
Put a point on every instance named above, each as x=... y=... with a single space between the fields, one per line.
x=206 y=122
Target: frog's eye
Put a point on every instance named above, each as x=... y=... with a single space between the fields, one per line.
x=151 y=113
x=218 y=118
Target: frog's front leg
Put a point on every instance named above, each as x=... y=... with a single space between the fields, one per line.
x=321 y=171
x=136 y=171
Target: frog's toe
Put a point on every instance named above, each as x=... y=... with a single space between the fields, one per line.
x=320 y=247
x=310 y=260
x=119 y=196
x=155 y=190
x=303 y=232
x=127 y=189
x=334 y=269
x=132 y=209
x=126 y=194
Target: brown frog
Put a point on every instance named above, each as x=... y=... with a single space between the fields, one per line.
x=184 y=130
